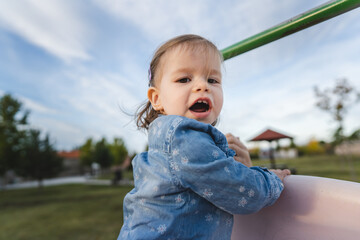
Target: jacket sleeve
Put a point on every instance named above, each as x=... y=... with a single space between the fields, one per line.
x=198 y=163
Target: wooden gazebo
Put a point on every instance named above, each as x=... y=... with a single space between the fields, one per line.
x=270 y=135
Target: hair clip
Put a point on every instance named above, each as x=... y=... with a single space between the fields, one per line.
x=149 y=76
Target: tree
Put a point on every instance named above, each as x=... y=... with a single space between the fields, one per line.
x=102 y=154
x=12 y=117
x=118 y=151
x=337 y=102
x=39 y=159
x=314 y=147
x=354 y=136
x=87 y=153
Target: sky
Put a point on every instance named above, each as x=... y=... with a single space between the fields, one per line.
x=80 y=67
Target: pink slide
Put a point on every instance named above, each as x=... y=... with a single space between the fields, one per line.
x=309 y=208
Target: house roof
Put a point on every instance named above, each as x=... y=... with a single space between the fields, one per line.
x=269 y=135
x=71 y=154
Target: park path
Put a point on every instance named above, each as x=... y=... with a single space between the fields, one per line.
x=65 y=180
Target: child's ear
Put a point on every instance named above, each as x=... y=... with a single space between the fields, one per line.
x=154 y=97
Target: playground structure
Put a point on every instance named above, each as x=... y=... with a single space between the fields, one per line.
x=310 y=18
x=309 y=207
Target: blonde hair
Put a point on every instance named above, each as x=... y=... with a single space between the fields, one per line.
x=146 y=113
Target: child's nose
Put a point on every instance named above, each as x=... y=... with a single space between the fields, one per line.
x=201 y=85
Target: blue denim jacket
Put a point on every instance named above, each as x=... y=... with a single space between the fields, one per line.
x=188 y=185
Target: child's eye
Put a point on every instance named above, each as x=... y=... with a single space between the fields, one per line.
x=210 y=80
x=184 y=80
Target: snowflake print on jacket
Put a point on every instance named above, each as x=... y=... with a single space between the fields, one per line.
x=177 y=186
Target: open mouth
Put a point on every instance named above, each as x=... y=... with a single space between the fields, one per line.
x=200 y=106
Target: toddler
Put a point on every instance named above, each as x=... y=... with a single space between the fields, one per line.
x=193 y=178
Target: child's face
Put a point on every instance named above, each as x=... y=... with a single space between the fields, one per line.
x=189 y=85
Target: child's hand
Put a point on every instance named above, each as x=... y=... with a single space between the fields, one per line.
x=281 y=173
x=242 y=154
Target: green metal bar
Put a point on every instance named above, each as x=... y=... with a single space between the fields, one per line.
x=314 y=16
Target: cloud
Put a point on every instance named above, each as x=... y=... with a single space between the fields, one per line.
x=64 y=135
x=95 y=93
x=273 y=86
x=29 y=104
x=224 y=22
x=160 y=20
x=269 y=86
x=98 y=100
x=36 y=106
x=52 y=25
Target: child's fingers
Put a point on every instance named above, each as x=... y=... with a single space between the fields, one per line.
x=281 y=173
x=236 y=148
x=242 y=153
x=235 y=141
x=239 y=151
x=230 y=138
x=287 y=172
x=242 y=156
x=240 y=143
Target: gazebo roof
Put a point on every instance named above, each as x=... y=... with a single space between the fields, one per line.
x=270 y=135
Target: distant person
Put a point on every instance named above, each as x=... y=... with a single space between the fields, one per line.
x=117 y=175
x=193 y=178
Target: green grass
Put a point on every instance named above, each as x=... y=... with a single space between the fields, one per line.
x=62 y=212
x=338 y=167
x=95 y=212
